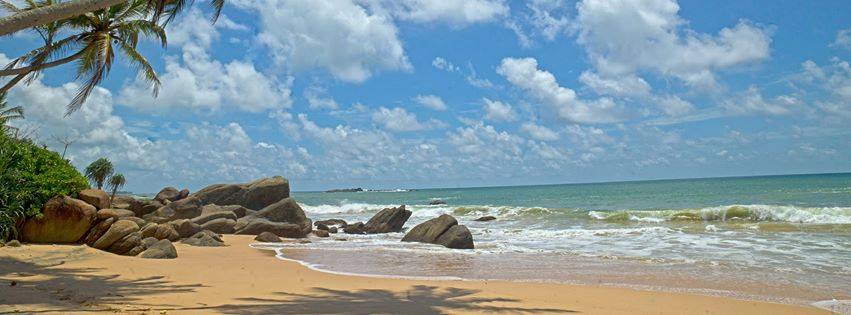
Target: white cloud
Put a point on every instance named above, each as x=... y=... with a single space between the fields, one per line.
x=620 y=86
x=752 y=102
x=452 y=12
x=843 y=39
x=835 y=79
x=539 y=132
x=398 y=119
x=498 y=111
x=542 y=86
x=625 y=36
x=317 y=99
x=675 y=106
x=431 y=101
x=442 y=64
x=340 y=36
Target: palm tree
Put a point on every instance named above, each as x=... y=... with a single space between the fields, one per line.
x=101 y=34
x=116 y=182
x=7 y=114
x=98 y=171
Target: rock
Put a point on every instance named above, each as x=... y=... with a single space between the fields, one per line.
x=321 y=233
x=205 y=239
x=185 y=228
x=168 y=193
x=103 y=214
x=143 y=207
x=486 y=218
x=322 y=227
x=166 y=231
x=254 y=195
x=63 y=220
x=182 y=209
x=258 y=225
x=97 y=231
x=435 y=202
x=429 y=231
x=123 y=202
x=204 y=218
x=332 y=229
x=95 y=197
x=149 y=230
x=149 y=242
x=268 y=237
x=443 y=230
x=162 y=249
x=220 y=225
x=126 y=244
x=388 y=220
x=285 y=218
x=13 y=243
x=331 y=222
x=116 y=231
x=355 y=228
x=138 y=221
x=183 y=194
x=458 y=237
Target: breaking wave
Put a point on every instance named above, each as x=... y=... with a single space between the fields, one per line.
x=734 y=213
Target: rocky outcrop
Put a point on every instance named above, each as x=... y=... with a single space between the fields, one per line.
x=161 y=249
x=166 y=232
x=95 y=197
x=284 y=218
x=210 y=216
x=103 y=214
x=122 y=202
x=485 y=218
x=205 y=239
x=332 y=222
x=116 y=232
x=355 y=228
x=168 y=193
x=254 y=195
x=97 y=231
x=443 y=230
x=182 y=209
x=220 y=225
x=64 y=220
x=149 y=230
x=387 y=220
x=435 y=202
x=144 y=207
x=183 y=194
x=127 y=244
x=185 y=228
x=267 y=237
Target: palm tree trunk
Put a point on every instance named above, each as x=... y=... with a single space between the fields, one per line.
x=112 y=197
x=51 y=13
x=12 y=83
x=41 y=66
x=19 y=77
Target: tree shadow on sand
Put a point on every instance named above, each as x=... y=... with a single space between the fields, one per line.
x=45 y=282
x=419 y=299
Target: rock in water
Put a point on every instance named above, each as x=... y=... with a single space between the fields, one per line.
x=254 y=195
x=486 y=218
x=268 y=237
x=429 y=231
x=285 y=218
x=95 y=197
x=182 y=209
x=282 y=229
x=458 y=237
x=205 y=239
x=321 y=233
x=437 y=202
x=355 y=228
x=162 y=249
x=64 y=220
x=443 y=230
x=332 y=222
x=388 y=220
x=168 y=193
x=116 y=231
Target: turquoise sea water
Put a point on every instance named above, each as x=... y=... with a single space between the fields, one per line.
x=785 y=238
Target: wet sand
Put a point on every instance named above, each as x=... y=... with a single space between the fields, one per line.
x=237 y=279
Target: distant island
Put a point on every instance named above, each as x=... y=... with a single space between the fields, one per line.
x=370 y=190
x=345 y=190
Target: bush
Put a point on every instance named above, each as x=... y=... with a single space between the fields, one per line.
x=29 y=176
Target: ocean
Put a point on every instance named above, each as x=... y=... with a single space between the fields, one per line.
x=777 y=238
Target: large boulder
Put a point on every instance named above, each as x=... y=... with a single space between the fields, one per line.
x=98 y=230
x=220 y=225
x=166 y=232
x=182 y=209
x=185 y=228
x=103 y=214
x=443 y=230
x=127 y=244
x=429 y=231
x=168 y=193
x=123 y=202
x=210 y=216
x=388 y=220
x=355 y=228
x=285 y=218
x=183 y=194
x=149 y=230
x=141 y=207
x=95 y=197
x=332 y=222
x=205 y=239
x=321 y=233
x=162 y=249
x=267 y=237
x=254 y=195
x=116 y=231
x=63 y=220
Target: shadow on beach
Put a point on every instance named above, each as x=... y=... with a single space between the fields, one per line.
x=43 y=283
x=420 y=299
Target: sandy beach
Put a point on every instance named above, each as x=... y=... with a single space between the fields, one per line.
x=238 y=279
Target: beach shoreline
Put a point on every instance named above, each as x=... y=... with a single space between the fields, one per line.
x=241 y=279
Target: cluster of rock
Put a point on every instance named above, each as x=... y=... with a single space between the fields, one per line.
x=147 y=228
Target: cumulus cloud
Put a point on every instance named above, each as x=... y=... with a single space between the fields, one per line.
x=452 y=12
x=442 y=64
x=835 y=79
x=675 y=106
x=620 y=86
x=625 y=36
x=317 y=99
x=498 y=111
x=752 y=102
x=843 y=39
x=431 y=101
x=398 y=119
x=542 y=86
x=539 y=132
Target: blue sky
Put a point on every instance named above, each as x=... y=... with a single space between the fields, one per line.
x=415 y=93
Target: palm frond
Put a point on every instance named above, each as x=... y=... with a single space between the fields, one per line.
x=142 y=65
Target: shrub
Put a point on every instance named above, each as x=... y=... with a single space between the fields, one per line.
x=29 y=176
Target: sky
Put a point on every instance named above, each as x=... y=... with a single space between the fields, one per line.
x=458 y=93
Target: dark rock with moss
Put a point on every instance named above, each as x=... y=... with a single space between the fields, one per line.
x=443 y=230
x=95 y=197
x=254 y=195
x=161 y=249
x=388 y=220
x=268 y=237
x=64 y=220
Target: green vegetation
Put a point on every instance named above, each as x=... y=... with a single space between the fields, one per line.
x=116 y=182
x=98 y=171
x=7 y=114
x=29 y=176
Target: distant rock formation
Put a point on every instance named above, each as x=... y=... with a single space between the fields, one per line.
x=345 y=190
